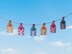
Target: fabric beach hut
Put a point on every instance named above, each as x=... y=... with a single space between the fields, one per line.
x=43 y=29
x=33 y=30
x=53 y=27
x=21 y=29
x=63 y=23
x=10 y=27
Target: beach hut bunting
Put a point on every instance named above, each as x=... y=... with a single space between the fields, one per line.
x=43 y=29
x=10 y=27
x=33 y=30
x=21 y=29
x=63 y=23
x=53 y=27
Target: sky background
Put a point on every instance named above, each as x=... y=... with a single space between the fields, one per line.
x=35 y=12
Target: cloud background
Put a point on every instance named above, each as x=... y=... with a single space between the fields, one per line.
x=35 y=12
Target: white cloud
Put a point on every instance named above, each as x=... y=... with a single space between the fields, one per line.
x=39 y=38
x=40 y=52
x=11 y=51
x=8 y=50
x=69 y=27
x=60 y=44
x=4 y=33
x=27 y=36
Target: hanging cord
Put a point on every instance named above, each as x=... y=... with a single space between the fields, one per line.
x=61 y=18
x=38 y=24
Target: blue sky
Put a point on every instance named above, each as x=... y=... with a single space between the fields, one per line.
x=35 y=12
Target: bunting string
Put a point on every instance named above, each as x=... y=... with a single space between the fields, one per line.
x=4 y=19
x=33 y=28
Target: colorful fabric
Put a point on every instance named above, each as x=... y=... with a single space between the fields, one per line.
x=10 y=27
x=21 y=29
x=43 y=29
x=53 y=28
x=33 y=30
x=63 y=24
